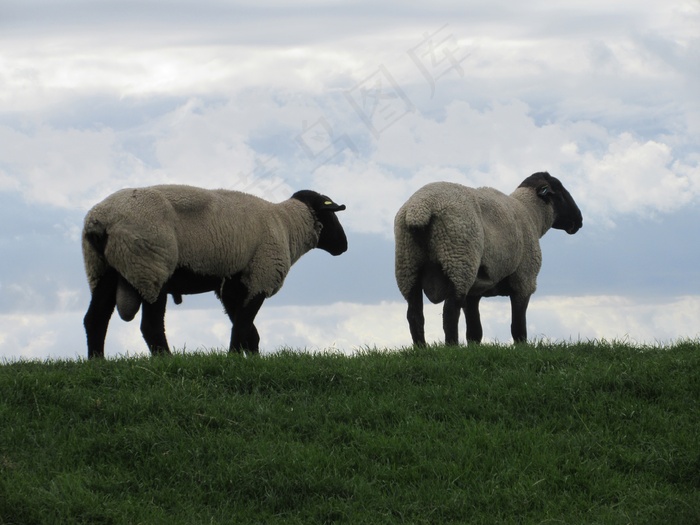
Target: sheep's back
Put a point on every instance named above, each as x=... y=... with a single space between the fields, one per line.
x=224 y=232
x=218 y=231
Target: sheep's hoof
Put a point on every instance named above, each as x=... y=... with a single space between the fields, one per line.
x=160 y=351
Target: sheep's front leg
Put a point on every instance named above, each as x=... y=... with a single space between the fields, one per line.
x=153 y=325
x=471 y=312
x=253 y=341
x=96 y=320
x=450 y=320
x=416 y=320
x=244 y=336
x=518 y=326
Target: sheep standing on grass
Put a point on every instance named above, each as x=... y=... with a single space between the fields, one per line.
x=141 y=244
x=459 y=244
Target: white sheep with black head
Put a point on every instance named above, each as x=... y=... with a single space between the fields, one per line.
x=459 y=244
x=141 y=244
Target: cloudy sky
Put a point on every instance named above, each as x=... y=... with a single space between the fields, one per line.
x=365 y=102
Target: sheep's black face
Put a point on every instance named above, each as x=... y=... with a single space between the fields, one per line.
x=332 y=238
x=567 y=215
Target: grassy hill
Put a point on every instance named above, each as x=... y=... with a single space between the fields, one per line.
x=580 y=433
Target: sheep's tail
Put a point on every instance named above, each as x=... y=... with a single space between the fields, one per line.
x=411 y=230
x=95 y=233
x=417 y=259
x=93 y=243
x=417 y=215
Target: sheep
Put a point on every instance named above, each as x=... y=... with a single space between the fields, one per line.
x=141 y=244
x=459 y=244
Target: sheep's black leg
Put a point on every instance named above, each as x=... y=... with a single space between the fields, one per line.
x=416 y=320
x=244 y=336
x=450 y=320
x=471 y=312
x=153 y=325
x=96 y=320
x=253 y=341
x=518 y=327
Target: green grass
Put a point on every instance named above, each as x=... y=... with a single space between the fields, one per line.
x=579 y=433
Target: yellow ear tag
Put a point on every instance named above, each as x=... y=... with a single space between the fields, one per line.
x=328 y=203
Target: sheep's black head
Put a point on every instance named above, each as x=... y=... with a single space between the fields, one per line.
x=332 y=237
x=567 y=216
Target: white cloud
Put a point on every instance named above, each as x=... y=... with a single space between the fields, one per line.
x=609 y=175
x=46 y=72
x=616 y=317
x=371 y=194
x=64 y=168
x=546 y=93
x=638 y=177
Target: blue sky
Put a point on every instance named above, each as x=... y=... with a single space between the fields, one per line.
x=365 y=102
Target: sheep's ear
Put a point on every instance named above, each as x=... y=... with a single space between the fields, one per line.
x=545 y=192
x=329 y=205
x=317 y=202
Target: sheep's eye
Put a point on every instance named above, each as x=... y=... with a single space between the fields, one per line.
x=328 y=203
x=543 y=191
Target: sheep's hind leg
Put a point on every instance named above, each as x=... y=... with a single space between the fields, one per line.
x=518 y=326
x=153 y=325
x=471 y=312
x=96 y=320
x=416 y=320
x=450 y=320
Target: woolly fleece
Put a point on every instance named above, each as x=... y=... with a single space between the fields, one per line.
x=152 y=231
x=471 y=239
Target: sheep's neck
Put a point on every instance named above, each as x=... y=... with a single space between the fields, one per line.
x=541 y=214
x=303 y=235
